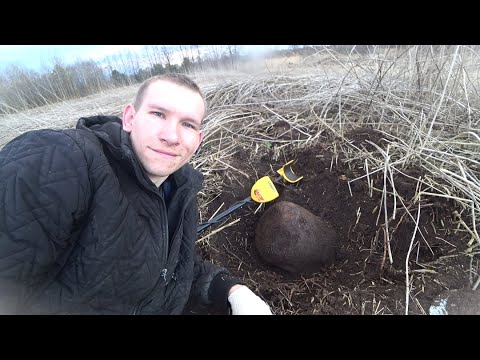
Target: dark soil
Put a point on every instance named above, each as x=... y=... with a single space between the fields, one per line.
x=362 y=280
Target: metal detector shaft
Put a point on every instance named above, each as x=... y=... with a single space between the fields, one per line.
x=220 y=216
x=262 y=191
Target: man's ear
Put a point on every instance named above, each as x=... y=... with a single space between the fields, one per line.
x=128 y=117
x=200 y=143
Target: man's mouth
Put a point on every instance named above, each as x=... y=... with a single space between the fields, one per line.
x=163 y=152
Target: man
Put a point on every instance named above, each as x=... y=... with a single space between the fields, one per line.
x=102 y=219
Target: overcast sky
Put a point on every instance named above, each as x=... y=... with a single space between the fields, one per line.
x=39 y=57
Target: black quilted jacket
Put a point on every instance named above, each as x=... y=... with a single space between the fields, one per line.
x=84 y=231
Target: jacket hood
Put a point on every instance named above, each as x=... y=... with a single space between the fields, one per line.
x=107 y=128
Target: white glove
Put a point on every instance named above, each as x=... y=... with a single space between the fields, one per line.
x=244 y=302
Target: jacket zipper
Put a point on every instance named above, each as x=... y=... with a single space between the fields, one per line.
x=164 y=251
x=138 y=308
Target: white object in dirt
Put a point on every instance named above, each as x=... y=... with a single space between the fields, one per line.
x=439 y=307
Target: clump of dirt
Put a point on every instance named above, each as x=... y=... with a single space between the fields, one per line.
x=363 y=280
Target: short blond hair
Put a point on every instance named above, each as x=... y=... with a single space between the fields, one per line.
x=176 y=78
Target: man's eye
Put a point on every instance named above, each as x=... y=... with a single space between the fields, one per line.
x=159 y=114
x=191 y=126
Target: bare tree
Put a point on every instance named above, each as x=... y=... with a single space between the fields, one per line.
x=233 y=54
x=150 y=57
x=198 y=60
x=167 y=56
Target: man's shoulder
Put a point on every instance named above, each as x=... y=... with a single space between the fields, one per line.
x=70 y=139
x=42 y=151
x=81 y=136
x=37 y=137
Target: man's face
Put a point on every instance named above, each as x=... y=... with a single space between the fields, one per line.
x=165 y=130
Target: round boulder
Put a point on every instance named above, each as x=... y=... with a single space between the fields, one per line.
x=291 y=238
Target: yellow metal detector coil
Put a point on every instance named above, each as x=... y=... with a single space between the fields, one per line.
x=263 y=190
x=287 y=173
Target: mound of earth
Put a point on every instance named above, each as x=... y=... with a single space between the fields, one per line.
x=363 y=280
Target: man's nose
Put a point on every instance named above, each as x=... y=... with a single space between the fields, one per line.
x=169 y=131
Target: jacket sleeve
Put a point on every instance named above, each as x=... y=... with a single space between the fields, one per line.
x=44 y=192
x=214 y=283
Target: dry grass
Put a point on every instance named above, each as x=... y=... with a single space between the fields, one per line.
x=64 y=114
x=434 y=128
